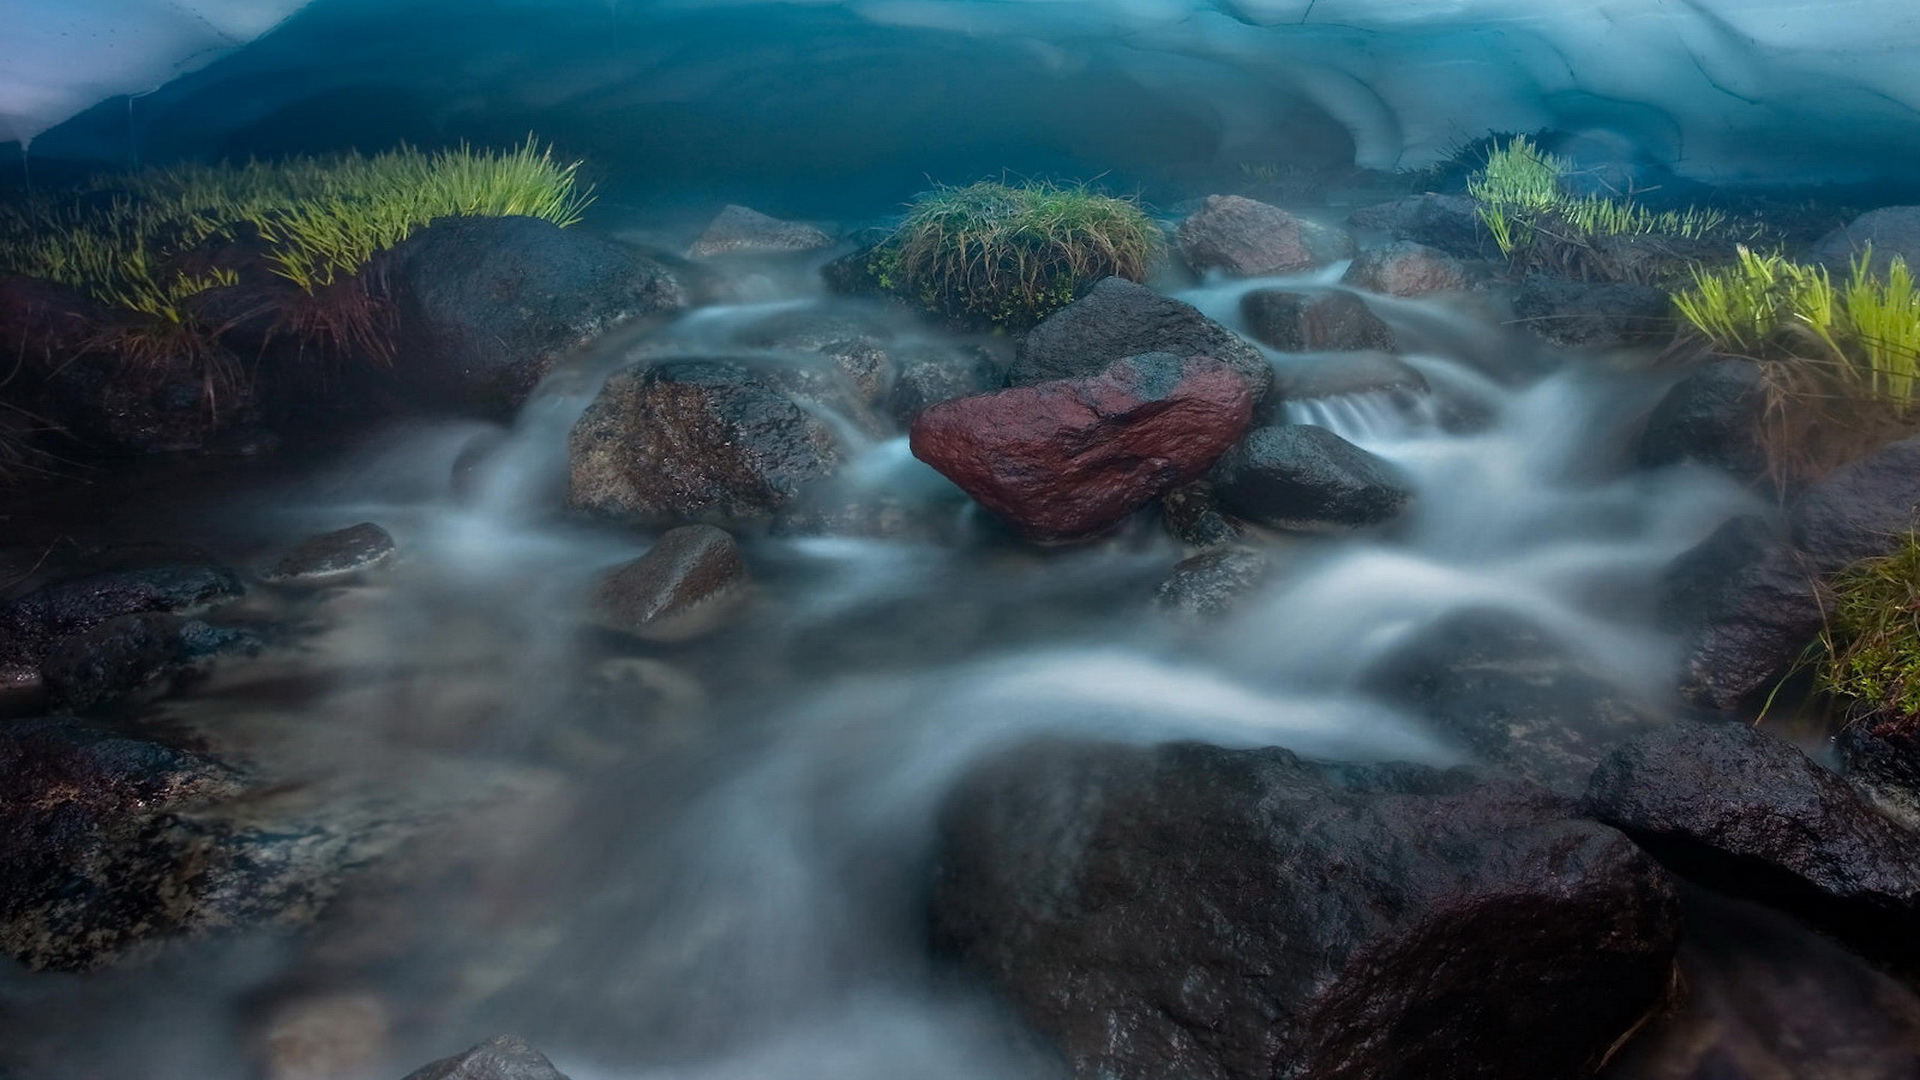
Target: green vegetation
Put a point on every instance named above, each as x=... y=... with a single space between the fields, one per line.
x=1871 y=656
x=127 y=242
x=1840 y=363
x=1866 y=333
x=1008 y=256
x=1537 y=224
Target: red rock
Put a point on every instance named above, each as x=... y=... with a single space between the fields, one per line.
x=1071 y=458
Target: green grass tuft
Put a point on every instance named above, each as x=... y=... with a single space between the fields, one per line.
x=1008 y=256
x=1872 y=643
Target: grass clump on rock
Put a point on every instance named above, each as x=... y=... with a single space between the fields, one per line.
x=138 y=243
x=992 y=254
x=1540 y=225
x=1840 y=361
x=1872 y=641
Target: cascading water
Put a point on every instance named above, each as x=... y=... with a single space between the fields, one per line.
x=742 y=896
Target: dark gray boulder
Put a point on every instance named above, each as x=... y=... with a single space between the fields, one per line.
x=1711 y=416
x=1890 y=231
x=486 y=305
x=1117 y=319
x=930 y=374
x=1748 y=814
x=1450 y=223
x=336 y=557
x=1327 y=322
x=687 y=440
x=1862 y=510
x=683 y=587
x=1347 y=374
x=1190 y=911
x=1514 y=695
x=1304 y=478
x=1589 y=314
x=1745 y=605
x=503 y=1058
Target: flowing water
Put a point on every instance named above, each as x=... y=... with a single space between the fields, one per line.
x=709 y=860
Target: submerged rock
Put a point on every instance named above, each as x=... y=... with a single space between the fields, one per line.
x=1450 y=223
x=1747 y=814
x=1307 y=479
x=35 y=622
x=128 y=653
x=486 y=305
x=1191 y=514
x=1712 y=416
x=503 y=1058
x=336 y=557
x=1590 y=314
x=1349 y=374
x=1213 y=583
x=1327 y=322
x=689 y=440
x=1512 y=694
x=1117 y=319
x=930 y=375
x=739 y=229
x=1069 y=459
x=1249 y=238
x=1406 y=268
x=682 y=588
x=1190 y=911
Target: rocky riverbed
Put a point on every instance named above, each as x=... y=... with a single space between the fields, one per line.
x=1336 y=655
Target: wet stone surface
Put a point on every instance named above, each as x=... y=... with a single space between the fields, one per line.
x=336 y=557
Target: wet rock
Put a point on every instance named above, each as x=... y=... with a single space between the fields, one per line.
x=128 y=653
x=683 y=587
x=79 y=837
x=35 y=622
x=1347 y=375
x=1307 y=479
x=1190 y=911
x=1405 y=268
x=1249 y=238
x=1746 y=605
x=695 y=439
x=928 y=376
x=1882 y=758
x=1747 y=814
x=23 y=688
x=1589 y=314
x=1192 y=516
x=1327 y=322
x=1889 y=231
x=1450 y=223
x=335 y=557
x=485 y=306
x=739 y=229
x=1514 y=695
x=1117 y=319
x=1212 y=583
x=1712 y=416
x=504 y=1058
x=1071 y=458
x=1862 y=510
